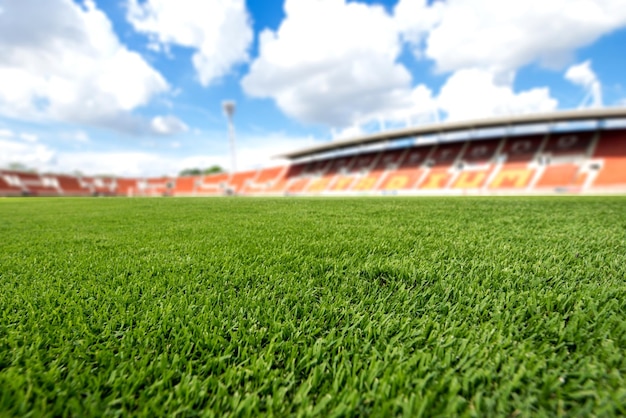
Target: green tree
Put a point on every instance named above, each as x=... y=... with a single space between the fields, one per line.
x=215 y=169
x=190 y=172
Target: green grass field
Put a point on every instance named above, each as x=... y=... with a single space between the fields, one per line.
x=330 y=307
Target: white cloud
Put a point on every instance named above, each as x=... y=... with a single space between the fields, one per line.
x=29 y=137
x=81 y=137
x=29 y=154
x=218 y=30
x=582 y=75
x=6 y=133
x=352 y=131
x=62 y=61
x=319 y=68
x=504 y=35
x=252 y=152
x=415 y=19
x=120 y=163
x=318 y=72
x=475 y=93
x=168 y=125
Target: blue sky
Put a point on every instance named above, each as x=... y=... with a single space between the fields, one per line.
x=134 y=87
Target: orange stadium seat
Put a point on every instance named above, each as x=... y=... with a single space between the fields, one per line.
x=472 y=179
x=478 y=155
x=580 y=179
x=212 y=184
x=558 y=175
x=512 y=176
x=238 y=181
x=409 y=172
x=186 y=186
x=334 y=169
x=127 y=187
x=515 y=173
x=437 y=178
x=292 y=172
x=612 y=150
x=441 y=160
x=298 y=185
x=265 y=179
x=361 y=165
x=318 y=185
x=156 y=187
x=387 y=160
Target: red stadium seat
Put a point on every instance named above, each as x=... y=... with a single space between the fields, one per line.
x=333 y=169
x=480 y=152
x=568 y=144
x=361 y=165
x=35 y=185
x=387 y=161
x=441 y=160
x=10 y=185
x=71 y=186
x=612 y=150
x=408 y=171
x=522 y=148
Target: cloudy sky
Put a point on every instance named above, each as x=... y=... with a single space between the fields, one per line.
x=134 y=87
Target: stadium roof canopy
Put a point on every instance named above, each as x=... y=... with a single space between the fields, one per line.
x=447 y=127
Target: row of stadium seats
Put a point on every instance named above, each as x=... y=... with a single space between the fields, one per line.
x=573 y=162
x=584 y=161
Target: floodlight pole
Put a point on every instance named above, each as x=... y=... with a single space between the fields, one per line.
x=229 y=110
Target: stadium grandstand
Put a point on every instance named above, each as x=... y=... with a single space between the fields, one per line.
x=580 y=151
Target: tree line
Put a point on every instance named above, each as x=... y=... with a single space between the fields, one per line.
x=215 y=169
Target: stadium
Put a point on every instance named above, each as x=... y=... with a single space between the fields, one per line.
x=440 y=306
x=455 y=158
x=441 y=231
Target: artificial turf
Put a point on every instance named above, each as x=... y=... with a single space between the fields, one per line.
x=330 y=307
